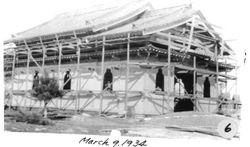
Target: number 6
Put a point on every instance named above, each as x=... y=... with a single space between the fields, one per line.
x=228 y=129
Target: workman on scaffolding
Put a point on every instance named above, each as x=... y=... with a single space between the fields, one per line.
x=35 y=80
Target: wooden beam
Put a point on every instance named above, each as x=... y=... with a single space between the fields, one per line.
x=30 y=56
x=26 y=78
x=78 y=73
x=191 y=35
x=60 y=58
x=12 y=78
x=44 y=52
x=236 y=81
x=226 y=75
x=102 y=73
x=127 y=76
x=194 y=81
x=180 y=39
x=217 y=69
x=169 y=69
x=204 y=71
x=208 y=30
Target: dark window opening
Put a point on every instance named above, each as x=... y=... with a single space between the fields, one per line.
x=35 y=80
x=108 y=80
x=159 y=84
x=67 y=81
x=206 y=90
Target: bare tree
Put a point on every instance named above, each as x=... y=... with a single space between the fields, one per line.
x=46 y=90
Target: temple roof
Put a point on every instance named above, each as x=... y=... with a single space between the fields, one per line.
x=127 y=16
x=92 y=20
x=136 y=15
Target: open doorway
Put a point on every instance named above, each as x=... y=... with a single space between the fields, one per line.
x=108 y=80
x=159 y=82
x=185 y=104
x=67 y=81
x=206 y=90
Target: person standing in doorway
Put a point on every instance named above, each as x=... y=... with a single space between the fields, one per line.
x=108 y=81
x=206 y=91
x=35 y=80
x=159 y=84
x=67 y=81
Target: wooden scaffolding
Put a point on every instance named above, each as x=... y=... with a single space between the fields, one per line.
x=38 y=53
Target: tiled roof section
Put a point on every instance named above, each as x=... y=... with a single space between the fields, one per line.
x=129 y=16
x=103 y=18
x=121 y=14
x=63 y=23
x=91 y=20
x=164 y=17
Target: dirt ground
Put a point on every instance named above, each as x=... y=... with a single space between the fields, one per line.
x=175 y=125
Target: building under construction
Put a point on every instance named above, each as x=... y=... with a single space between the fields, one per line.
x=124 y=57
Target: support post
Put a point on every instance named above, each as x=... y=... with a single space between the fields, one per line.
x=59 y=59
x=226 y=76
x=102 y=74
x=236 y=80
x=78 y=73
x=217 y=68
x=221 y=55
x=169 y=70
x=12 y=78
x=44 y=53
x=59 y=65
x=127 y=76
x=194 y=83
x=27 y=72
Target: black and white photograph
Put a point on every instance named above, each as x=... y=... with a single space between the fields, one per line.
x=124 y=72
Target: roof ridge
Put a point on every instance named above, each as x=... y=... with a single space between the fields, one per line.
x=64 y=15
x=151 y=13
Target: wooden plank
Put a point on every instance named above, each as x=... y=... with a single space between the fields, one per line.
x=203 y=71
x=191 y=35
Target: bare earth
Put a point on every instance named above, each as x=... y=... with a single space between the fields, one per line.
x=192 y=125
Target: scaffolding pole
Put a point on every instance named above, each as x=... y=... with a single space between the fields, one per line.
x=169 y=70
x=127 y=76
x=12 y=78
x=194 y=82
x=217 y=69
x=78 y=73
x=44 y=53
x=191 y=35
x=59 y=66
x=27 y=72
x=31 y=57
x=102 y=74
x=236 y=81
x=226 y=75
